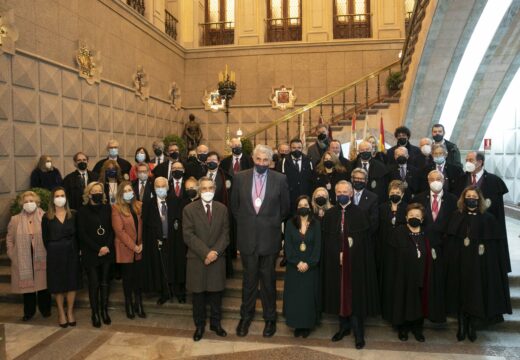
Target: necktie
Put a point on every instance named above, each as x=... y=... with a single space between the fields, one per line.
x=164 y=210
x=296 y=163
x=435 y=207
x=473 y=179
x=208 y=212
x=236 y=166
x=84 y=180
x=402 y=171
x=365 y=166
x=177 y=189
x=211 y=176
x=358 y=195
x=141 y=191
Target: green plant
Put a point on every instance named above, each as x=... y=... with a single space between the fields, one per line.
x=172 y=138
x=247 y=146
x=44 y=194
x=393 y=82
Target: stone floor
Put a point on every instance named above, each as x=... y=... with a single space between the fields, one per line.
x=170 y=337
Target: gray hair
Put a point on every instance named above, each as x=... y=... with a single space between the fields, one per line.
x=264 y=149
x=436 y=172
x=202 y=179
x=441 y=146
x=403 y=148
x=360 y=171
x=160 y=178
x=158 y=144
x=343 y=182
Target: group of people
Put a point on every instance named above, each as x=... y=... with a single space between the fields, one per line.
x=409 y=234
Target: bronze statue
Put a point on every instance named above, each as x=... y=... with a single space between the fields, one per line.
x=192 y=133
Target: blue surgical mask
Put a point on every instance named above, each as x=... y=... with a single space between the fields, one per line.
x=343 y=199
x=161 y=192
x=113 y=152
x=140 y=157
x=439 y=160
x=128 y=196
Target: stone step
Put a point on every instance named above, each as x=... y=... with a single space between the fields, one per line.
x=378 y=106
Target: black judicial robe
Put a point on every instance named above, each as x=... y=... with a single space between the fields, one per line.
x=493 y=189
x=177 y=248
x=377 y=177
x=385 y=257
x=476 y=284
x=418 y=285
x=329 y=181
x=74 y=187
x=365 y=298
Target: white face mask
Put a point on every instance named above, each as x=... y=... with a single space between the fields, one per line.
x=30 y=207
x=207 y=196
x=48 y=165
x=60 y=201
x=426 y=150
x=436 y=186
x=469 y=167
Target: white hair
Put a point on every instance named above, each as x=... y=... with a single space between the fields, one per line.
x=264 y=149
x=159 y=179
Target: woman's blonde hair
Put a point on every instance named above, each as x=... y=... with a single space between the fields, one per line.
x=41 y=163
x=122 y=205
x=320 y=168
x=88 y=189
x=102 y=173
x=36 y=197
x=315 y=206
x=396 y=184
x=51 y=208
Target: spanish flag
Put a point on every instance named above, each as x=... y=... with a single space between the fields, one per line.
x=382 y=136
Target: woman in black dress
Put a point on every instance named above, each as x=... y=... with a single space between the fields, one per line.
x=45 y=175
x=63 y=271
x=320 y=202
x=477 y=288
x=416 y=293
x=302 y=246
x=328 y=172
x=392 y=213
x=96 y=239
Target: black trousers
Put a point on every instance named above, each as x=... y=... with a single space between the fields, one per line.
x=200 y=300
x=132 y=276
x=415 y=326
x=355 y=323
x=42 y=297
x=259 y=270
x=98 y=277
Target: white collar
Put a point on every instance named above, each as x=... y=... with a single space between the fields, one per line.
x=439 y=195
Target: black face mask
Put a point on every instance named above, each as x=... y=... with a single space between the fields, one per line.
x=303 y=211
x=96 y=198
x=329 y=164
x=236 y=150
x=320 y=200
x=276 y=157
x=261 y=169
x=401 y=160
x=178 y=174
x=438 y=137
x=296 y=154
x=192 y=193
x=343 y=199
x=111 y=173
x=471 y=203
x=82 y=166
x=365 y=155
x=358 y=185
x=322 y=137
x=414 y=222
x=192 y=159
x=202 y=157
x=157 y=152
x=402 y=141
x=174 y=155
x=212 y=165
x=395 y=198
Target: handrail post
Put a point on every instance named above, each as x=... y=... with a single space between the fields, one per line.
x=366 y=94
x=355 y=98
x=378 y=89
x=287 y=132
x=276 y=135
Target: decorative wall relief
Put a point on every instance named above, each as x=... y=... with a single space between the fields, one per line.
x=213 y=101
x=283 y=98
x=141 y=85
x=8 y=31
x=174 y=94
x=89 y=62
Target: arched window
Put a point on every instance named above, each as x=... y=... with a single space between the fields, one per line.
x=352 y=19
x=284 y=20
x=219 y=26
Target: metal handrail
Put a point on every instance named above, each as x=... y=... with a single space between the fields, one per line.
x=321 y=100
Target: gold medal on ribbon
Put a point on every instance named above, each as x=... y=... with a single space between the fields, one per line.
x=466 y=241
x=418 y=254
x=303 y=247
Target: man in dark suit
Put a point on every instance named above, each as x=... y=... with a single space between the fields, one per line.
x=403 y=134
x=494 y=190
x=75 y=182
x=453 y=156
x=206 y=234
x=260 y=203
x=299 y=171
x=237 y=161
x=143 y=185
x=113 y=154
x=403 y=170
x=451 y=173
x=219 y=177
x=377 y=172
x=335 y=147
x=365 y=199
x=316 y=150
x=164 y=169
x=158 y=150
x=198 y=168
